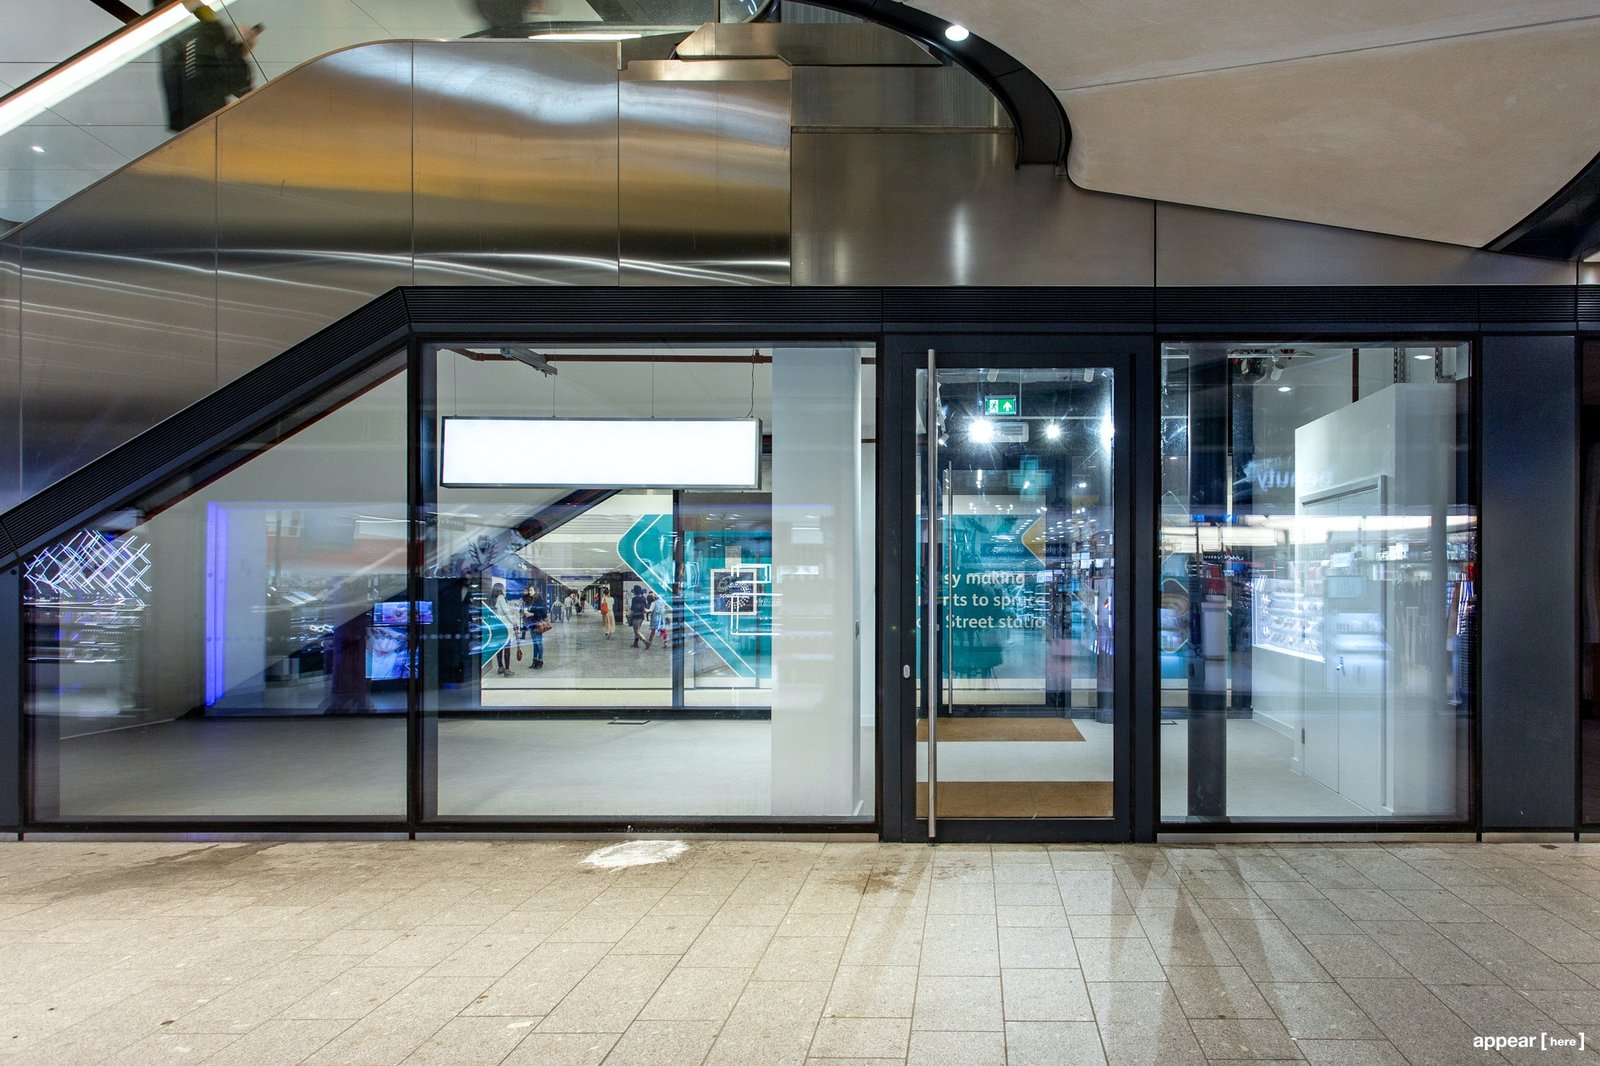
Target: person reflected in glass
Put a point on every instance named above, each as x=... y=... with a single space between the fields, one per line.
x=657 y=614
x=638 y=610
x=608 y=621
x=206 y=67
x=501 y=609
x=535 y=621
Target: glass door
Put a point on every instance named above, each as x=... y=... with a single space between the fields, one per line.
x=1019 y=726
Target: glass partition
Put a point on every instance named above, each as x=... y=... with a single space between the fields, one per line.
x=236 y=650
x=648 y=644
x=1317 y=584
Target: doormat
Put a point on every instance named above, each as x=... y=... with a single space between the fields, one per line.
x=965 y=729
x=1018 y=799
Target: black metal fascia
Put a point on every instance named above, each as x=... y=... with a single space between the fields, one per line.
x=1566 y=226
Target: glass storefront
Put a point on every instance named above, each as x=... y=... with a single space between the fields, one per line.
x=674 y=650
x=230 y=651
x=524 y=583
x=1317 y=582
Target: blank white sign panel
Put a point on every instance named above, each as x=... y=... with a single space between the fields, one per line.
x=601 y=453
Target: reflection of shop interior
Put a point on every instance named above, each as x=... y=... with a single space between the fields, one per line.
x=506 y=768
x=1338 y=593
x=1027 y=542
x=1026 y=563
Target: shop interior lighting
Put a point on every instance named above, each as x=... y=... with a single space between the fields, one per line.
x=94 y=63
x=1285 y=388
x=1108 y=430
x=1052 y=431
x=956 y=33
x=980 y=431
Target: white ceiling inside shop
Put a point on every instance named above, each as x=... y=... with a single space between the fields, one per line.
x=1447 y=120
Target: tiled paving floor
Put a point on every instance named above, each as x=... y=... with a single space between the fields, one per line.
x=742 y=953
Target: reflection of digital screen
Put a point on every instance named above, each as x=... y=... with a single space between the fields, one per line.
x=387 y=659
x=733 y=590
x=397 y=613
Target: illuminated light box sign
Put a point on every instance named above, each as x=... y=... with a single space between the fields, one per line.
x=669 y=453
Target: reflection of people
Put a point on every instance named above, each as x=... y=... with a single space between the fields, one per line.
x=533 y=618
x=637 y=608
x=658 y=620
x=205 y=67
x=608 y=624
x=502 y=610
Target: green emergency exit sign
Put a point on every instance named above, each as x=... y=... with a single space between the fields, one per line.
x=1000 y=405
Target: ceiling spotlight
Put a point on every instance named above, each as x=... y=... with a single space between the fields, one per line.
x=37 y=148
x=1423 y=356
x=980 y=431
x=1285 y=388
x=1052 y=431
x=956 y=33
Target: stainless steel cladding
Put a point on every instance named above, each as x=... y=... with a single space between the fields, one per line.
x=119 y=319
x=872 y=99
x=516 y=165
x=805 y=45
x=1200 y=246
x=953 y=209
x=313 y=201
x=704 y=174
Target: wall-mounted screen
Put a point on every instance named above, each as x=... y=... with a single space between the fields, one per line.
x=601 y=453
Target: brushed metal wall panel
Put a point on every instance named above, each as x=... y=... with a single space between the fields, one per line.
x=704 y=173
x=516 y=163
x=803 y=45
x=118 y=314
x=313 y=201
x=10 y=376
x=1201 y=246
x=952 y=209
x=891 y=97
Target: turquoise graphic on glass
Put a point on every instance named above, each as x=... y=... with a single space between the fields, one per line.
x=496 y=634
x=741 y=639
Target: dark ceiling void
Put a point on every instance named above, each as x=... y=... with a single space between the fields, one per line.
x=1043 y=132
x=1566 y=226
x=117 y=8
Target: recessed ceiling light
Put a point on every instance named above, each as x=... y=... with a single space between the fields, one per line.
x=1285 y=388
x=37 y=148
x=956 y=33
